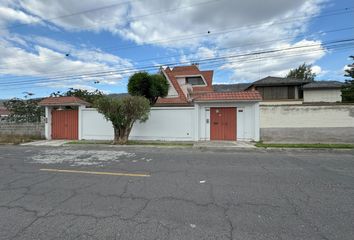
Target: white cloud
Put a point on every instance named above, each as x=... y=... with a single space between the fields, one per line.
x=44 y=62
x=11 y=15
x=317 y=70
x=248 y=69
x=234 y=26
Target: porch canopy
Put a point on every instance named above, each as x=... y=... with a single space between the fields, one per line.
x=248 y=96
x=63 y=101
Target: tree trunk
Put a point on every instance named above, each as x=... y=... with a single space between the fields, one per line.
x=116 y=135
x=120 y=136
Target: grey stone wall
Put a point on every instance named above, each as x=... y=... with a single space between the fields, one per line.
x=12 y=128
x=308 y=135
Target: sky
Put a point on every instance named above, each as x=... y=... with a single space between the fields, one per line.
x=54 y=45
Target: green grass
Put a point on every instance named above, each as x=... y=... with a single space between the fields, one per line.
x=17 y=139
x=161 y=143
x=78 y=142
x=147 y=143
x=304 y=145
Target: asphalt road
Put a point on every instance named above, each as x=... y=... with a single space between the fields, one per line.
x=180 y=194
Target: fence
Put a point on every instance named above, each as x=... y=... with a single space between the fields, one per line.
x=13 y=128
x=167 y=124
x=307 y=123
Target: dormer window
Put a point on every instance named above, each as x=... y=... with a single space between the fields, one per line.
x=198 y=80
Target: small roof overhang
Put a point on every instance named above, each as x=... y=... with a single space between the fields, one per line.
x=63 y=101
x=246 y=96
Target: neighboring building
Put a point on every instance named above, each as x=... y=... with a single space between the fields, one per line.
x=277 y=88
x=192 y=111
x=323 y=91
x=280 y=91
x=238 y=87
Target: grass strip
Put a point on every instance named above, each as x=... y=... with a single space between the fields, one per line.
x=18 y=139
x=133 y=142
x=304 y=145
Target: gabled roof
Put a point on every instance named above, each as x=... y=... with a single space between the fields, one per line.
x=229 y=96
x=324 y=84
x=63 y=101
x=185 y=70
x=238 y=87
x=277 y=81
x=201 y=93
x=193 y=70
x=181 y=98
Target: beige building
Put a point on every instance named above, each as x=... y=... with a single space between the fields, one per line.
x=289 y=91
x=323 y=91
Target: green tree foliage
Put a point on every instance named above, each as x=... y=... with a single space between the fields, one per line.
x=88 y=96
x=304 y=72
x=24 y=110
x=123 y=113
x=151 y=86
x=348 y=88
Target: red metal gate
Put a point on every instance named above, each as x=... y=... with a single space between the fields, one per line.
x=65 y=124
x=223 y=123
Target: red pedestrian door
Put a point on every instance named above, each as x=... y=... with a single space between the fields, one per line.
x=223 y=124
x=65 y=124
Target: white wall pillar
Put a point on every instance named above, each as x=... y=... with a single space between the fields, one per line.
x=196 y=122
x=48 y=123
x=256 y=122
x=80 y=108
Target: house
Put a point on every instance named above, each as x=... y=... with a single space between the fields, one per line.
x=192 y=111
x=323 y=91
x=277 y=88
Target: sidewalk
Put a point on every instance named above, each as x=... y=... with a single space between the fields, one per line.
x=224 y=144
x=52 y=143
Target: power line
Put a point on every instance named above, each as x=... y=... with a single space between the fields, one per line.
x=67 y=15
x=103 y=8
x=220 y=49
x=201 y=34
x=123 y=70
x=209 y=65
x=210 y=60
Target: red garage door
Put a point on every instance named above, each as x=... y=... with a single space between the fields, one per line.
x=65 y=124
x=223 y=123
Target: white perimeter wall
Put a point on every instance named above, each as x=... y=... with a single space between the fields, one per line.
x=174 y=123
x=308 y=123
x=307 y=116
x=322 y=95
x=170 y=124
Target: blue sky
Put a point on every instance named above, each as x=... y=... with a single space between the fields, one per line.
x=49 y=46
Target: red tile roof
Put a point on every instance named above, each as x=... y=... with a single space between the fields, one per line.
x=181 y=99
x=201 y=93
x=186 y=70
x=228 y=96
x=63 y=101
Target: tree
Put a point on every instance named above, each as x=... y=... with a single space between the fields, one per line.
x=348 y=88
x=151 y=86
x=304 y=72
x=123 y=113
x=84 y=94
x=24 y=110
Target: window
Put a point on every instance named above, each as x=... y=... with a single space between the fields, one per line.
x=195 y=80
